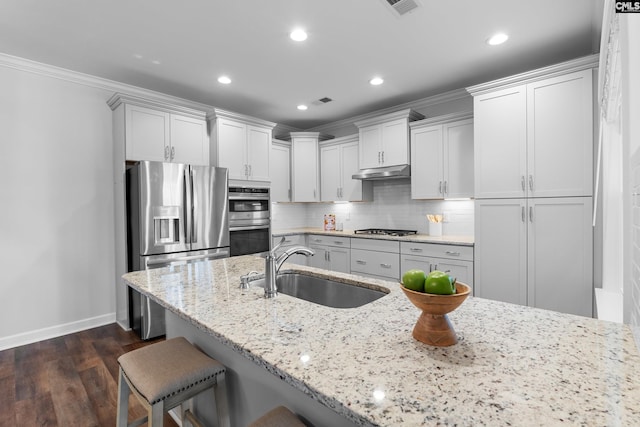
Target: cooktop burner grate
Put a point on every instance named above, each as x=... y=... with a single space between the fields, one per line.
x=385 y=231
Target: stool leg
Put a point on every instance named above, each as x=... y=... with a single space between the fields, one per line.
x=222 y=406
x=123 y=401
x=156 y=414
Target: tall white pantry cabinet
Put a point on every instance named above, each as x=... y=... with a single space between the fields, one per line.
x=533 y=162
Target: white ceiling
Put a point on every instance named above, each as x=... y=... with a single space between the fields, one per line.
x=181 y=47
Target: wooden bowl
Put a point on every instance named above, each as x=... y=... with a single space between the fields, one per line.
x=433 y=326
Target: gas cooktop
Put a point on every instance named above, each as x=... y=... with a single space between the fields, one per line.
x=385 y=231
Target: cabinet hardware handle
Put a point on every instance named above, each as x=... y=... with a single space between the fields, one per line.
x=337 y=191
x=446 y=190
x=314 y=193
x=531 y=182
x=317 y=240
x=289 y=194
x=250 y=170
x=173 y=152
x=379 y=157
x=530 y=213
x=523 y=215
x=435 y=267
x=328 y=256
x=246 y=170
x=166 y=152
x=522 y=184
x=338 y=242
x=385 y=265
x=452 y=253
x=415 y=249
x=440 y=187
x=359 y=261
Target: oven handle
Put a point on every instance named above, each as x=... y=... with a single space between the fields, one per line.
x=248 y=227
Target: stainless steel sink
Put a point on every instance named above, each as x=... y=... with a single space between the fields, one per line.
x=324 y=291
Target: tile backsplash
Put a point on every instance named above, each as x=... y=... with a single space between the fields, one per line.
x=392 y=207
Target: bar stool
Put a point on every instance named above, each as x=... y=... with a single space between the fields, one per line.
x=278 y=417
x=165 y=375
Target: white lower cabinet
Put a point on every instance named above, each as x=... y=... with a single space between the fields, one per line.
x=376 y=258
x=289 y=242
x=535 y=252
x=452 y=259
x=331 y=253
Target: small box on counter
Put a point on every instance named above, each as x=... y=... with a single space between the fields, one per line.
x=329 y=222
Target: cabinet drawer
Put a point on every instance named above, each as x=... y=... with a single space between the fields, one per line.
x=292 y=240
x=321 y=239
x=437 y=250
x=383 y=264
x=376 y=245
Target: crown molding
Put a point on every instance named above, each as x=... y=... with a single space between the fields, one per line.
x=408 y=114
x=225 y=114
x=578 y=64
x=119 y=98
x=341 y=140
x=318 y=135
x=445 y=118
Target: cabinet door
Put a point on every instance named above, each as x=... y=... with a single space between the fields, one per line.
x=561 y=255
x=340 y=260
x=411 y=262
x=500 y=150
x=501 y=250
x=458 y=159
x=330 y=173
x=426 y=163
x=147 y=134
x=232 y=148
x=560 y=136
x=462 y=271
x=280 y=173
x=320 y=259
x=395 y=143
x=258 y=152
x=305 y=170
x=189 y=142
x=352 y=189
x=370 y=142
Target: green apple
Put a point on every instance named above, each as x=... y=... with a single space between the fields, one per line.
x=439 y=282
x=414 y=280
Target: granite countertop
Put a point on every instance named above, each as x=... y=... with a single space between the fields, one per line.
x=421 y=238
x=513 y=365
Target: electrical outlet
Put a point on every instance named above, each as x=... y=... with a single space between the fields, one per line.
x=446 y=217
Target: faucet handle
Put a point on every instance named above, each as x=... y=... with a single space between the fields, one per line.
x=276 y=247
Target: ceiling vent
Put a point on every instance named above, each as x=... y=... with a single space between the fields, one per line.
x=322 y=101
x=402 y=6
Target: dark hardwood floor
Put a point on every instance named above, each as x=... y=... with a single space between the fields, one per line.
x=67 y=381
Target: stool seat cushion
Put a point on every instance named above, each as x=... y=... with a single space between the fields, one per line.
x=278 y=417
x=161 y=370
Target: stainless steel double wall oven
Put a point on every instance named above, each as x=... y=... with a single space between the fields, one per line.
x=249 y=220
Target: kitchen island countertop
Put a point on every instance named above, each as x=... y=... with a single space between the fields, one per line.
x=513 y=365
x=419 y=238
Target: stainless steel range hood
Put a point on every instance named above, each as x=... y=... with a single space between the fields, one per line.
x=388 y=172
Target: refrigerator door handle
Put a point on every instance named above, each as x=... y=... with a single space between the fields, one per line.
x=193 y=207
x=188 y=205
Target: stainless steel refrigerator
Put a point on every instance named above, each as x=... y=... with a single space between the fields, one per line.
x=176 y=214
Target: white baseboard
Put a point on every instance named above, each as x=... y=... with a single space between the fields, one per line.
x=609 y=305
x=55 y=331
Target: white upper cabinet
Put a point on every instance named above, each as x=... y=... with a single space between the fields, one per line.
x=242 y=145
x=280 y=171
x=161 y=132
x=384 y=140
x=442 y=157
x=338 y=162
x=535 y=139
x=305 y=166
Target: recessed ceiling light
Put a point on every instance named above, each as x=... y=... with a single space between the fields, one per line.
x=298 y=35
x=224 y=80
x=497 y=39
x=302 y=107
x=376 y=81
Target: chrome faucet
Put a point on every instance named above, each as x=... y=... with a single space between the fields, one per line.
x=273 y=262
